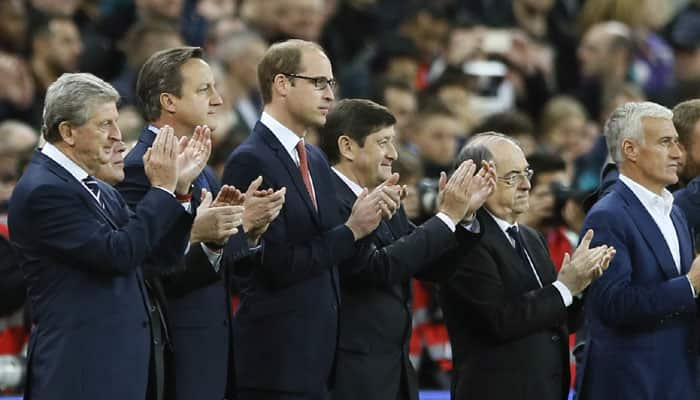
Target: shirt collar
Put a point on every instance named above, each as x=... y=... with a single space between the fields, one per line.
x=154 y=129
x=648 y=198
x=61 y=159
x=352 y=185
x=288 y=138
x=503 y=224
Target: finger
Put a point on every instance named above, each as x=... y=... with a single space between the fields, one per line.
x=254 y=185
x=147 y=155
x=586 y=241
x=442 y=182
x=403 y=193
x=206 y=199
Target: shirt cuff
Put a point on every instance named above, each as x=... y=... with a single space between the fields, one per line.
x=692 y=289
x=213 y=256
x=564 y=292
x=444 y=218
x=473 y=226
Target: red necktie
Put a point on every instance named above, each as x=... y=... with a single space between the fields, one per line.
x=304 y=169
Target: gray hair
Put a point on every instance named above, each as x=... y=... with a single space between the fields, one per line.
x=72 y=98
x=626 y=123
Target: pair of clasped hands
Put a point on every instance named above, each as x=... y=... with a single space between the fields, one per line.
x=173 y=163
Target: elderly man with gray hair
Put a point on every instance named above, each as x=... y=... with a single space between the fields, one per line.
x=81 y=249
x=643 y=332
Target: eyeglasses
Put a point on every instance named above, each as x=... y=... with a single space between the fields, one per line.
x=320 y=82
x=514 y=178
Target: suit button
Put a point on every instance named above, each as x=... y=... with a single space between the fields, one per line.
x=555 y=338
x=334 y=307
x=225 y=322
x=156 y=341
x=144 y=324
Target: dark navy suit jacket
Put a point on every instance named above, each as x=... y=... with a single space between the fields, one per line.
x=287 y=323
x=641 y=313
x=198 y=301
x=82 y=264
x=375 y=316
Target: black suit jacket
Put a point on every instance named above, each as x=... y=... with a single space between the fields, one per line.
x=508 y=334
x=198 y=302
x=375 y=316
x=287 y=322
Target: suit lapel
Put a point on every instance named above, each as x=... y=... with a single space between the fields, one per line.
x=290 y=166
x=649 y=230
x=684 y=240
x=540 y=259
x=497 y=238
x=70 y=180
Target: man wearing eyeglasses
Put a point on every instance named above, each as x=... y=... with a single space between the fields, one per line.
x=508 y=313
x=286 y=328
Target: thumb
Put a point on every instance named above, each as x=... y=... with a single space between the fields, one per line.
x=362 y=195
x=393 y=179
x=254 y=185
x=567 y=259
x=206 y=199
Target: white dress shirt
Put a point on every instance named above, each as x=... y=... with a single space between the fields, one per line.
x=564 y=291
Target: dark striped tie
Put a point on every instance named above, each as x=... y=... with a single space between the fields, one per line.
x=94 y=187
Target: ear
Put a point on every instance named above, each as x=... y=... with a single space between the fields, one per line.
x=167 y=103
x=346 y=147
x=280 y=85
x=67 y=133
x=629 y=150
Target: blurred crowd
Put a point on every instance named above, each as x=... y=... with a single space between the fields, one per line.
x=546 y=72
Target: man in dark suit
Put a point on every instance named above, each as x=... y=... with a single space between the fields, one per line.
x=641 y=315
x=287 y=323
x=81 y=257
x=508 y=313
x=375 y=317
x=176 y=88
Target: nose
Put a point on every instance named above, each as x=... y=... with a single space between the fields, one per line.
x=392 y=154
x=524 y=183
x=328 y=93
x=216 y=99
x=676 y=151
x=115 y=134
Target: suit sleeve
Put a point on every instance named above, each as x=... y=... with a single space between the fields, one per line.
x=477 y=283
x=60 y=220
x=181 y=273
x=400 y=260
x=614 y=297
x=286 y=260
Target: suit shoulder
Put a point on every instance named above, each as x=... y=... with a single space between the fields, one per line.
x=135 y=155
